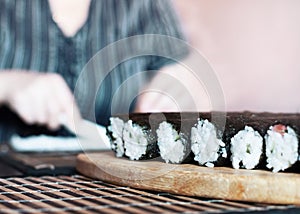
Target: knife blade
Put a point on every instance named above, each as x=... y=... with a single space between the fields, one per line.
x=89 y=134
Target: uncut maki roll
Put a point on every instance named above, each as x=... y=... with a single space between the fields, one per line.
x=208 y=149
x=173 y=146
x=281 y=147
x=246 y=149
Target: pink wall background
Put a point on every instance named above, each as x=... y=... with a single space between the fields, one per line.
x=253 y=46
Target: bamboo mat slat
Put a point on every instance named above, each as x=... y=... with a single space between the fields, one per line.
x=79 y=194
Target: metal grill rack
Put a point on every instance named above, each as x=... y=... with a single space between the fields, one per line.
x=78 y=194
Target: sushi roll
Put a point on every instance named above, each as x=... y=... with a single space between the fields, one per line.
x=139 y=143
x=208 y=149
x=135 y=141
x=281 y=147
x=115 y=134
x=196 y=138
x=143 y=136
x=173 y=145
x=246 y=148
x=128 y=139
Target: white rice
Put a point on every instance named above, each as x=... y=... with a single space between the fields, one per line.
x=246 y=148
x=205 y=144
x=172 y=145
x=281 y=149
x=116 y=128
x=135 y=140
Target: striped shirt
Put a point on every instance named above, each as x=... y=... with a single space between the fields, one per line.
x=30 y=39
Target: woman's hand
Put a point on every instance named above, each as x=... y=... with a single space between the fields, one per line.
x=38 y=98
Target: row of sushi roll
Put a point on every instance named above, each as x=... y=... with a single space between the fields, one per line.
x=249 y=140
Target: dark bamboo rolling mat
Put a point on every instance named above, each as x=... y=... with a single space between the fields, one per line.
x=78 y=194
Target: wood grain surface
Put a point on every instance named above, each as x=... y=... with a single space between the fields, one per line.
x=192 y=180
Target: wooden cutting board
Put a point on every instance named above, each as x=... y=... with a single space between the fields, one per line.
x=192 y=180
